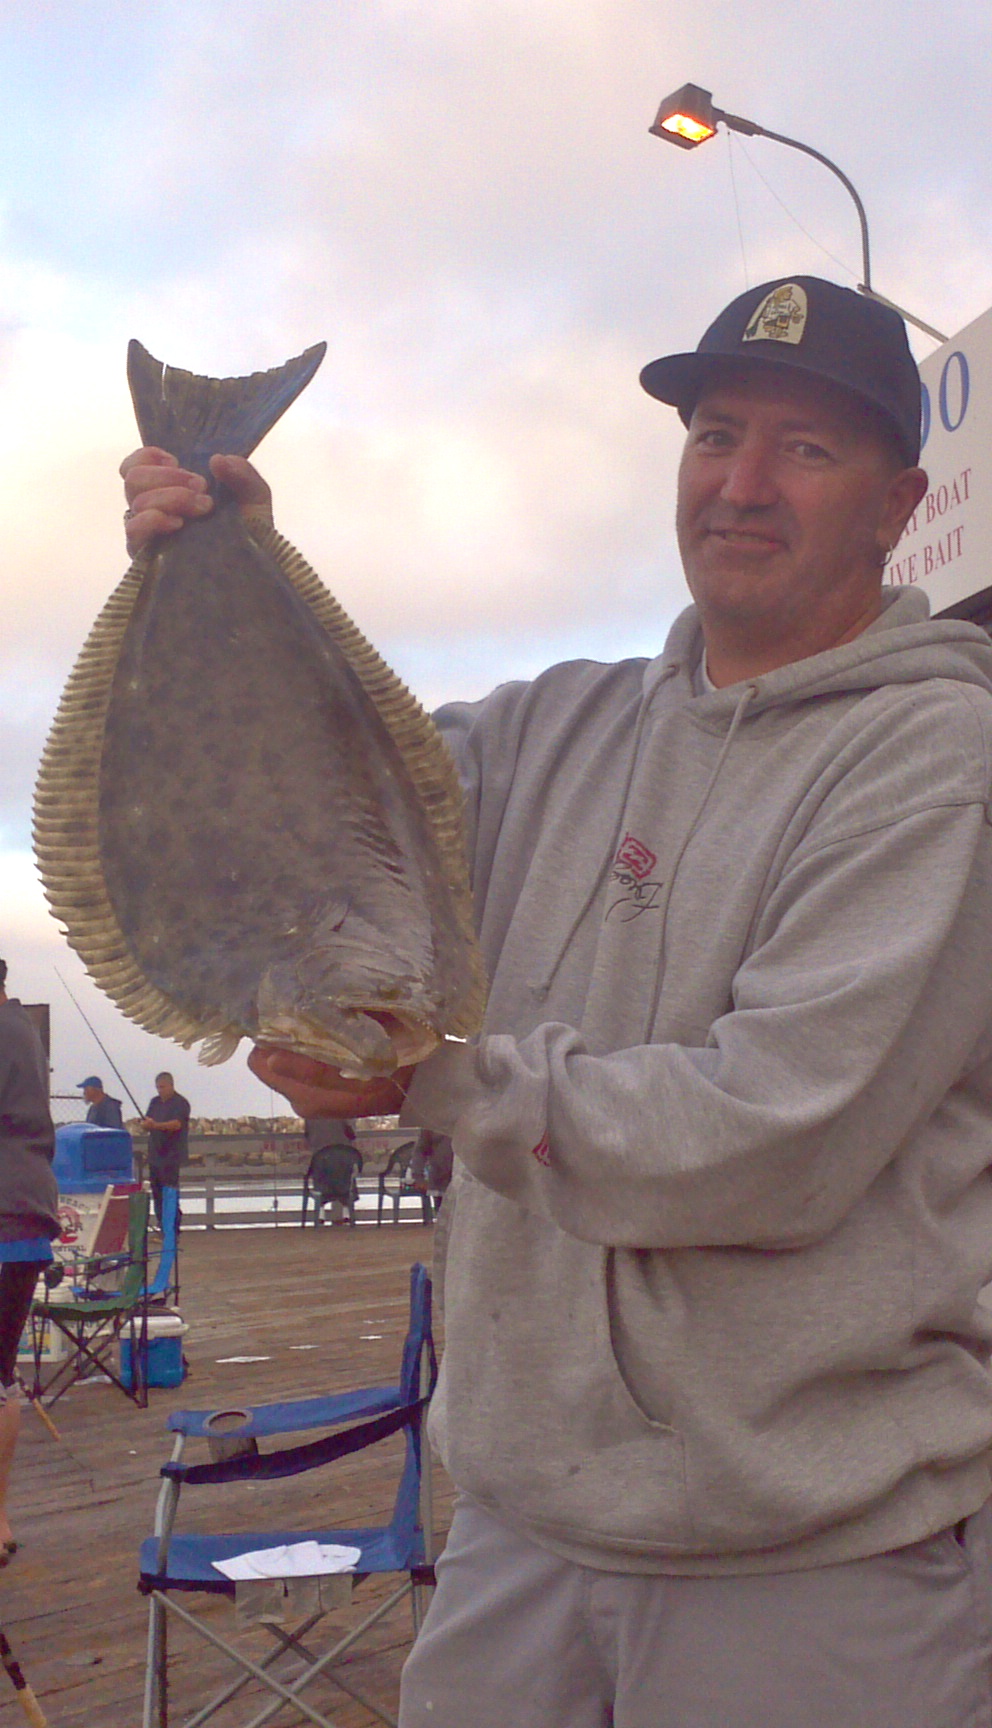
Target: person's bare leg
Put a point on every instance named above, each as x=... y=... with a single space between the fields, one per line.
x=10 y=1425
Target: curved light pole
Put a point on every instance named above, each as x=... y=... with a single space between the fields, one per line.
x=688 y=118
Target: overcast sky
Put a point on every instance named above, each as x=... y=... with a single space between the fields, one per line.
x=462 y=198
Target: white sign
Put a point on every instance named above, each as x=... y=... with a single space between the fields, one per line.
x=947 y=547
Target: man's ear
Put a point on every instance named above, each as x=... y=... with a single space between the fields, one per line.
x=905 y=492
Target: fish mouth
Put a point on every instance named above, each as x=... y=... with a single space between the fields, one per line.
x=361 y=1042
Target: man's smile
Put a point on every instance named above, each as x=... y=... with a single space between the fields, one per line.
x=746 y=540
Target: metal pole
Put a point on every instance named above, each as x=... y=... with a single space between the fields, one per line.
x=750 y=129
x=737 y=123
x=928 y=329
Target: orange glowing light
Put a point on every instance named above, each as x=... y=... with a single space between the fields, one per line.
x=684 y=126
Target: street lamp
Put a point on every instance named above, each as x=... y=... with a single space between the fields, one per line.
x=688 y=118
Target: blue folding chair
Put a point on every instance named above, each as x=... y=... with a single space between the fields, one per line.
x=174 y=1564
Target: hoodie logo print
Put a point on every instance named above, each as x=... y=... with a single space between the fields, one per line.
x=631 y=874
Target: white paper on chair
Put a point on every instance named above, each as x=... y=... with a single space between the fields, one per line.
x=292 y=1560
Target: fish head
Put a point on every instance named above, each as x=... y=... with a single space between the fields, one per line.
x=361 y=1031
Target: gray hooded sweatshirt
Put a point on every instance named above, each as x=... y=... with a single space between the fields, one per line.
x=723 y=1210
x=29 y=1196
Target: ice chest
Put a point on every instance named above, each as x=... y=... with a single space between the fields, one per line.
x=88 y=1158
x=165 y=1352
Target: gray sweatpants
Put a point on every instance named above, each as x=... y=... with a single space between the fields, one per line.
x=516 y=1638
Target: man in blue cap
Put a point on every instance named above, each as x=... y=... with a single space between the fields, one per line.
x=716 y=1391
x=102 y=1111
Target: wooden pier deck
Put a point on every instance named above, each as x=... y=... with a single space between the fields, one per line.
x=323 y=1310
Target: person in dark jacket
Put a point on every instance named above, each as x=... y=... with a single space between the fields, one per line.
x=102 y=1110
x=432 y=1163
x=166 y=1123
x=29 y=1202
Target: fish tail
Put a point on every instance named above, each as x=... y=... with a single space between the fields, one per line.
x=195 y=418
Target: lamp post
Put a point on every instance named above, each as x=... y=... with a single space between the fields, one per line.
x=688 y=118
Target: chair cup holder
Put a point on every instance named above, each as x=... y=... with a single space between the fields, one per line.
x=224 y=1439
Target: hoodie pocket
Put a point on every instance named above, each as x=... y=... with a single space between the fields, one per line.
x=533 y=1412
x=637 y=1345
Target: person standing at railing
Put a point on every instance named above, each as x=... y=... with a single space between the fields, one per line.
x=102 y=1111
x=166 y=1122
x=432 y=1164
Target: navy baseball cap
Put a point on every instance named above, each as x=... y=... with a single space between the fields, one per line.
x=812 y=327
x=91 y=1080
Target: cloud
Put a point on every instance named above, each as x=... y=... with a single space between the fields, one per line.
x=43 y=968
x=463 y=198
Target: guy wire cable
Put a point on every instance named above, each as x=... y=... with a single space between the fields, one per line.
x=737 y=209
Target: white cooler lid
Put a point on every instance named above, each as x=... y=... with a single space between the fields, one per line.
x=170 y=1325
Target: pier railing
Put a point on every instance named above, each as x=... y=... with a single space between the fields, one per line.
x=241 y=1179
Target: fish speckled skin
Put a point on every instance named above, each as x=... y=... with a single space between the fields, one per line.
x=245 y=821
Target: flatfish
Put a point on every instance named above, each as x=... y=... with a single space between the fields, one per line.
x=245 y=822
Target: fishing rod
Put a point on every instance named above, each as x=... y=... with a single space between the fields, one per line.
x=30 y=1397
x=102 y=1045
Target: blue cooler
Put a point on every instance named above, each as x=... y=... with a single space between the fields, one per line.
x=87 y=1162
x=87 y=1159
x=165 y=1352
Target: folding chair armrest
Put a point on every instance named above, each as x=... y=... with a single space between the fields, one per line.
x=90 y=1263
x=294 y=1416
x=295 y=1460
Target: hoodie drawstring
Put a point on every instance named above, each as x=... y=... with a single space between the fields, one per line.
x=747 y=696
x=542 y=985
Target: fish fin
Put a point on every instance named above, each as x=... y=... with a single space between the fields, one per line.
x=195 y=418
x=219 y=1046
x=420 y=744
x=66 y=826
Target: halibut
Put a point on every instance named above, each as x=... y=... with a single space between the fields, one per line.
x=247 y=825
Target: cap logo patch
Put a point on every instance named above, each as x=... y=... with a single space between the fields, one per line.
x=781 y=317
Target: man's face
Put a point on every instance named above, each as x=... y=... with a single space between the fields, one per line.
x=787 y=500
x=92 y=1094
x=164 y=1088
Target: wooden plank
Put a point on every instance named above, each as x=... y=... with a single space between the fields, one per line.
x=324 y=1311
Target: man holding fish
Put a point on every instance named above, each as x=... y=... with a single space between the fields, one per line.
x=716 y=1387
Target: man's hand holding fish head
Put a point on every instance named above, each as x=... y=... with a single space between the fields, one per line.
x=161 y=495
x=314 y=1089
